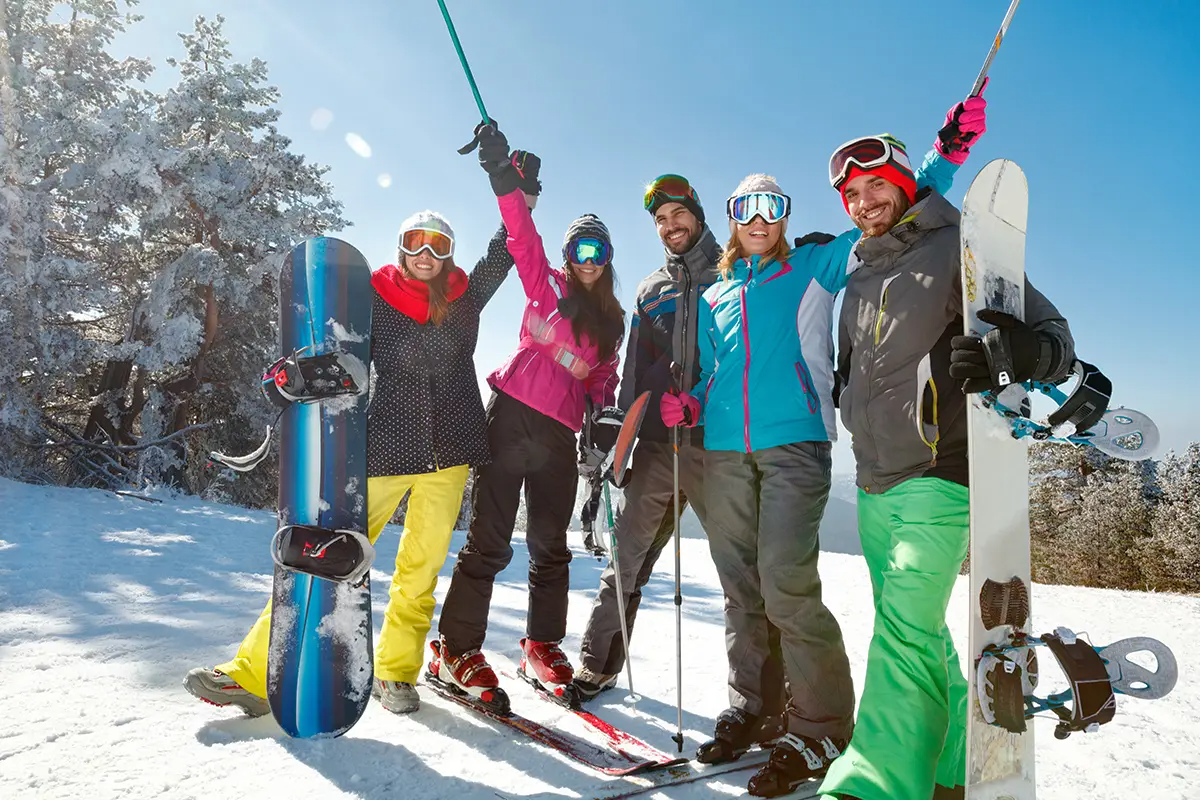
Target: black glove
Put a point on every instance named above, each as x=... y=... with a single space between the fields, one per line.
x=494 y=158
x=816 y=237
x=1011 y=338
x=527 y=166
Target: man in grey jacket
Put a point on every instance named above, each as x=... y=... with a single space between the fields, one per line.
x=663 y=333
x=906 y=367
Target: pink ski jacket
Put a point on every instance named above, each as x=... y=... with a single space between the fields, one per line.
x=539 y=373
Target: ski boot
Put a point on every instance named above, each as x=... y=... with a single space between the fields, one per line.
x=738 y=730
x=215 y=687
x=467 y=675
x=545 y=667
x=589 y=683
x=794 y=760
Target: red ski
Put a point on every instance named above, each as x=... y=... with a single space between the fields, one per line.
x=625 y=755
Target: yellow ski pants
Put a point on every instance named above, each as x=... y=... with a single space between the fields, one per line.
x=428 y=526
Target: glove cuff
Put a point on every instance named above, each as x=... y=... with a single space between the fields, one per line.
x=505 y=181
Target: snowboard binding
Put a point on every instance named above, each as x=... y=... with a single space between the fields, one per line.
x=1007 y=676
x=310 y=379
x=301 y=379
x=342 y=556
x=1082 y=417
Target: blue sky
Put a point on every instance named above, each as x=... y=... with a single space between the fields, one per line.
x=612 y=94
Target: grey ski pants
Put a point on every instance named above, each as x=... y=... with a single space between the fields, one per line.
x=764 y=511
x=644 y=525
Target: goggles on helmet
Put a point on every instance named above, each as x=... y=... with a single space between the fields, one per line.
x=770 y=206
x=437 y=243
x=668 y=189
x=866 y=153
x=588 y=248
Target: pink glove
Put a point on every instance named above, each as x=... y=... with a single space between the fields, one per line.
x=965 y=123
x=679 y=409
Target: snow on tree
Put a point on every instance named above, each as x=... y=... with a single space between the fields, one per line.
x=140 y=241
x=1173 y=558
x=69 y=108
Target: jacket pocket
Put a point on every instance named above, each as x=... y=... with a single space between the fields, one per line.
x=806 y=384
x=926 y=408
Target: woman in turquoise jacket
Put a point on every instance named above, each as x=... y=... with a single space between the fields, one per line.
x=765 y=397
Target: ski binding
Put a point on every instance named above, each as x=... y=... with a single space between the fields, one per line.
x=343 y=556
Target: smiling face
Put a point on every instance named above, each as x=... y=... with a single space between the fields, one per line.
x=587 y=274
x=677 y=227
x=423 y=266
x=758 y=238
x=875 y=205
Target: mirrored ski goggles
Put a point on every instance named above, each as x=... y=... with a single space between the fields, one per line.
x=770 y=206
x=866 y=153
x=437 y=243
x=589 y=248
x=667 y=189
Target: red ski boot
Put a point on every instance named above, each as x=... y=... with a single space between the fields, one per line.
x=468 y=674
x=546 y=667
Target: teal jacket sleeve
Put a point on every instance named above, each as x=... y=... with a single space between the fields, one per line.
x=829 y=263
x=936 y=172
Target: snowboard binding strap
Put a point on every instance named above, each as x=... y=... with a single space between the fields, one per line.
x=1092 y=691
x=310 y=379
x=342 y=556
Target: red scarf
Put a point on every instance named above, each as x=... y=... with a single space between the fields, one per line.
x=410 y=296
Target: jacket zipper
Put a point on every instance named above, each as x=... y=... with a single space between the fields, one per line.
x=684 y=350
x=746 y=361
x=432 y=396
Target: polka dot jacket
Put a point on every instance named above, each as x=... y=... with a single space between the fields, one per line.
x=425 y=411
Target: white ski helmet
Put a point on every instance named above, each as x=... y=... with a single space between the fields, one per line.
x=424 y=220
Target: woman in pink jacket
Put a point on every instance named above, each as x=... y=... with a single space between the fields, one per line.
x=570 y=334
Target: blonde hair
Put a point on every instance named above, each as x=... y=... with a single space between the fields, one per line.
x=733 y=252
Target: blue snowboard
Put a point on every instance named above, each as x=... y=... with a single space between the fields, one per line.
x=319 y=667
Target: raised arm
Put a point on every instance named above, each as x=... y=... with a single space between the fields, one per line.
x=525 y=245
x=491 y=270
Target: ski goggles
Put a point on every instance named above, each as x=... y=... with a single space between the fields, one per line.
x=866 y=153
x=770 y=206
x=437 y=243
x=588 y=248
x=668 y=189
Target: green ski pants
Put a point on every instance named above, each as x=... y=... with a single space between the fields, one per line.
x=911 y=727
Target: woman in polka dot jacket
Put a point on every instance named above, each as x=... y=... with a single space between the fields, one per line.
x=570 y=334
x=425 y=429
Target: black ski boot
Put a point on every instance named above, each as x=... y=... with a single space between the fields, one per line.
x=794 y=760
x=736 y=732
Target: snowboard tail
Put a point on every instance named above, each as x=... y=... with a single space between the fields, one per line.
x=319 y=666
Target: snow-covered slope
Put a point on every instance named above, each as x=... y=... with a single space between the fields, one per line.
x=106 y=601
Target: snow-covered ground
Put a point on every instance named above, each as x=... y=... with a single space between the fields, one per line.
x=106 y=601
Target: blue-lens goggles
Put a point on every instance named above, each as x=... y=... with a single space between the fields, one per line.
x=589 y=248
x=770 y=206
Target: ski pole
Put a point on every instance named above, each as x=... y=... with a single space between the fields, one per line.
x=1012 y=9
x=471 y=145
x=632 y=697
x=676 y=376
x=466 y=67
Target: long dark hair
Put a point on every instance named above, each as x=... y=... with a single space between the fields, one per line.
x=596 y=312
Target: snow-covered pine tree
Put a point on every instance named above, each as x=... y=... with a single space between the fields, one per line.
x=232 y=201
x=1172 y=557
x=70 y=112
x=1089 y=517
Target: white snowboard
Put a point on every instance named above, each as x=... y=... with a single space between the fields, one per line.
x=1000 y=765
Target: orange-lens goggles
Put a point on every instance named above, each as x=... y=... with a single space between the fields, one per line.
x=668 y=189
x=437 y=243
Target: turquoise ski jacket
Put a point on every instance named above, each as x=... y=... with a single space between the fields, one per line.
x=765 y=336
